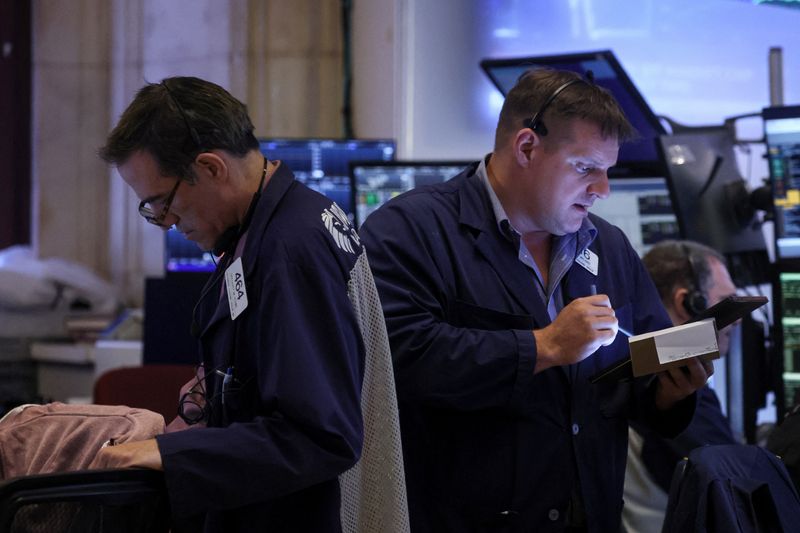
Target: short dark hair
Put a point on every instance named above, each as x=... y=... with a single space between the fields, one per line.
x=584 y=100
x=670 y=267
x=177 y=119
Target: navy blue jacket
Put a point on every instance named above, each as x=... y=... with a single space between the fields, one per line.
x=489 y=446
x=732 y=487
x=291 y=421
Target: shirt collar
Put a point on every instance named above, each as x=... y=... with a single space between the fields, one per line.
x=500 y=216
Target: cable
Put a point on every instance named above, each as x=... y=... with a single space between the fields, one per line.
x=347 y=70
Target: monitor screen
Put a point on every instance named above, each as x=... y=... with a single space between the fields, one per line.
x=789 y=314
x=324 y=164
x=782 y=136
x=378 y=182
x=321 y=164
x=706 y=186
x=641 y=208
x=608 y=73
x=183 y=255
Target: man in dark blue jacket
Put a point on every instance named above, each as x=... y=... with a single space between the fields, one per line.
x=502 y=295
x=277 y=410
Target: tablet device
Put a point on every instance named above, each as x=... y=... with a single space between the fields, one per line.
x=725 y=312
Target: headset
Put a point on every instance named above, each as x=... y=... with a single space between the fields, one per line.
x=192 y=131
x=695 y=301
x=197 y=405
x=536 y=123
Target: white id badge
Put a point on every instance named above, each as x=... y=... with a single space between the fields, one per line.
x=588 y=260
x=237 y=293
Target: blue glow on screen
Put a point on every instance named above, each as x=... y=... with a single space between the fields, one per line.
x=696 y=61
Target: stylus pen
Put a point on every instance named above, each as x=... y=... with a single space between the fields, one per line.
x=593 y=291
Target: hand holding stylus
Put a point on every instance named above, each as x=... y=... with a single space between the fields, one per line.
x=593 y=292
x=582 y=326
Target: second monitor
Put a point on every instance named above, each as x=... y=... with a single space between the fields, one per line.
x=782 y=135
x=642 y=208
x=377 y=182
x=323 y=164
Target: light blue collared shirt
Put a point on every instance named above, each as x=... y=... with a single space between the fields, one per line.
x=564 y=251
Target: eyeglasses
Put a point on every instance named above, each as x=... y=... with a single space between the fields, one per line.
x=148 y=210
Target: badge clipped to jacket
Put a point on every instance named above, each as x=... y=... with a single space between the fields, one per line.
x=237 y=293
x=588 y=260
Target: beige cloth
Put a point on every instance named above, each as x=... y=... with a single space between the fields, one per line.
x=57 y=437
x=374 y=490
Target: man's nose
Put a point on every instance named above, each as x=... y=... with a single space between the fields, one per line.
x=601 y=188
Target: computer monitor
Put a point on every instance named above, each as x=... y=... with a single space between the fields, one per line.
x=641 y=207
x=321 y=164
x=183 y=255
x=324 y=164
x=787 y=314
x=377 y=182
x=782 y=136
x=608 y=73
x=706 y=186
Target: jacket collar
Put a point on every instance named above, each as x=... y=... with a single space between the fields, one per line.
x=276 y=188
x=476 y=214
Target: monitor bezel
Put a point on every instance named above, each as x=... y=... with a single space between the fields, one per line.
x=745 y=240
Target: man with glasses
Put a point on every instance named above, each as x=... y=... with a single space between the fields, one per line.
x=277 y=406
x=502 y=296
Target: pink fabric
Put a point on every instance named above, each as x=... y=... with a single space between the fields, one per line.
x=57 y=437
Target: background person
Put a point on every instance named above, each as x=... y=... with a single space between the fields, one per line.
x=689 y=277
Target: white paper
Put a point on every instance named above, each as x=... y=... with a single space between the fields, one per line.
x=688 y=340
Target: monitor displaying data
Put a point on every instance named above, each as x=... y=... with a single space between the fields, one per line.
x=789 y=314
x=641 y=207
x=183 y=255
x=782 y=136
x=324 y=164
x=321 y=164
x=377 y=182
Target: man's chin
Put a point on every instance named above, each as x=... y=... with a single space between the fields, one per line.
x=202 y=244
x=205 y=247
x=568 y=228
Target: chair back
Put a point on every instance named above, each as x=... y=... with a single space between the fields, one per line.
x=154 y=387
x=94 y=501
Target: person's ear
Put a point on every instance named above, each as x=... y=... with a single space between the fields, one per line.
x=679 y=304
x=211 y=165
x=525 y=143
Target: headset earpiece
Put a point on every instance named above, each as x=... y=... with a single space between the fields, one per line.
x=695 y=301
